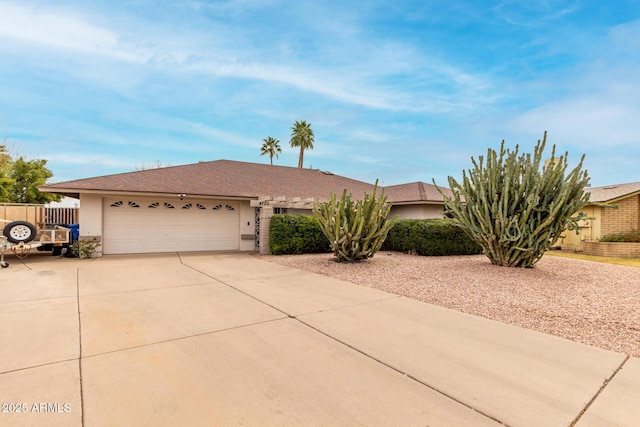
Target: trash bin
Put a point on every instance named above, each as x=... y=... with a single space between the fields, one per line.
x=75 y=232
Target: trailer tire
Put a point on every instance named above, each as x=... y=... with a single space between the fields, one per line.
x=19 y=232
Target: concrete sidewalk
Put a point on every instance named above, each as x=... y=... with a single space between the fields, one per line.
x=228 y=339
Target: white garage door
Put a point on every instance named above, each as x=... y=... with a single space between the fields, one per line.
x=155 y=225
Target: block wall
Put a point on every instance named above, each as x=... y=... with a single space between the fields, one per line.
x=612 y=249
x=623 y=219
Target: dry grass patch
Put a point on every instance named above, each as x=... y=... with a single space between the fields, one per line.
x=632 y=262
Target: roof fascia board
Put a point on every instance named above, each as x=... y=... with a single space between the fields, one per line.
x=626 y=196
x=416 y=202
x=143 y=194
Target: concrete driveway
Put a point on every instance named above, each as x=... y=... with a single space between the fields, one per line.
x=228 y=339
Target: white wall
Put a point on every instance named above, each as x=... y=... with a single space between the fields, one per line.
x=91 y=219
x=293 y=211
x=416 y=211
x=247 y=226
x=91 y=215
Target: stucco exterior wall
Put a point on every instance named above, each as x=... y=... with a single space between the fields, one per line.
x=247 y=226
x=91 y=218
x=589 y=230
x=623 y=219
x=417 y=211
x=294 y=211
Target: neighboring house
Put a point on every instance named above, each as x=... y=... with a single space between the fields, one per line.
x=416 y=200
x=607 y=220
x=218 y=205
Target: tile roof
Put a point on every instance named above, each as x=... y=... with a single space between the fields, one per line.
x=220 y=178
x=612 y=192
x=415 y=192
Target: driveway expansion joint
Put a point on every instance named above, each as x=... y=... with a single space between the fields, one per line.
x=392 y=296
x=80 y=347
x=599 y=392
x=401 y=372
x=240 y=290
x=327 y=309
x=297 y=318
x=183 y=337
x=26 y=368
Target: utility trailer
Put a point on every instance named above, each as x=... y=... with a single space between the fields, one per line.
x=20 y=237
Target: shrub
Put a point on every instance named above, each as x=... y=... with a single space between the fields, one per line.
x=85 y=248
x=356 y=230
x=632 y=236
x=296 y=234
x=430 y=237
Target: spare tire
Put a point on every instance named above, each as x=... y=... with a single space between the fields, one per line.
x=19 y=232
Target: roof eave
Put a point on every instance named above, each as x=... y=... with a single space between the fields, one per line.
x=75 y=193
x=416 y=202
x=617 y=199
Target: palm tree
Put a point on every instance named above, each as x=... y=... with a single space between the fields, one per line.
x=271 y=147
x=301 y=136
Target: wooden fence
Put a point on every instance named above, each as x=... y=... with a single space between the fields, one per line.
x=38 y=214
x=21 y=212
x=61 y=215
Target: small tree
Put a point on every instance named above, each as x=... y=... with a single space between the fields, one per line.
x=356 y=230
x=27 y=175
x=20 y=178
x=148 y=166
x=516 y=208
x=6 y=183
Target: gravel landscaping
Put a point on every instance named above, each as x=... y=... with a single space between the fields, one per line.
x=588 y=302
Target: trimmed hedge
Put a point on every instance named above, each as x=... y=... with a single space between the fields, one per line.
x=301 y=234
x=430 y=237
x=628 y=237
x=296 y=234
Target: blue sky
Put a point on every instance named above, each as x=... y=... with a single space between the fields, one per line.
x=402 y=91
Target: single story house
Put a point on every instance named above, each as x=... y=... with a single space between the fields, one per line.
x=607 y=220
x=216 y=205
x=416 y=200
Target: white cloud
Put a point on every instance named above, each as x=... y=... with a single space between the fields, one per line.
x=357 y=71
x=598 y=105
x=61 y=29
x=533 y=13
x=625 y=37
x=80 y=158
x=212 y=133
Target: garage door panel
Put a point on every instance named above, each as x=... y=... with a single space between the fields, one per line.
x=143 y=226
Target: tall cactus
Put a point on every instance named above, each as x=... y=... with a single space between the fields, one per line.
x=515 y=208
x=356 y=230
